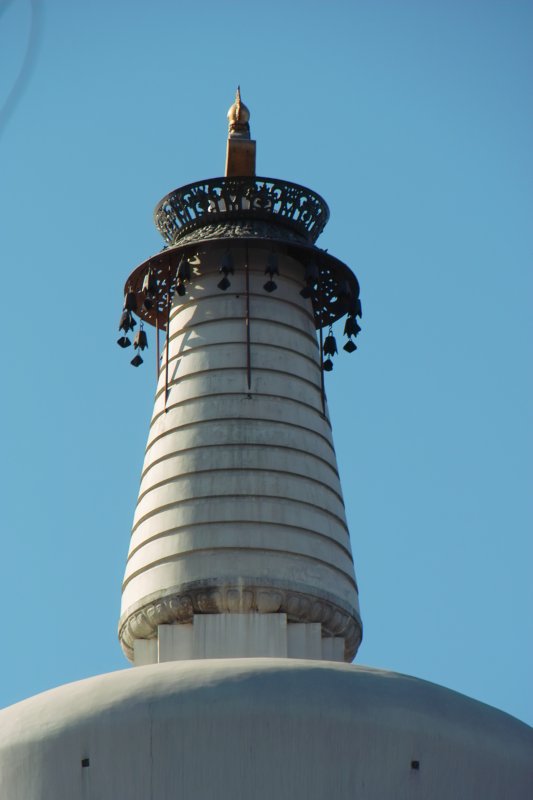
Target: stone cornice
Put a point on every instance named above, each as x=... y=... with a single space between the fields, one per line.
x=180 y=607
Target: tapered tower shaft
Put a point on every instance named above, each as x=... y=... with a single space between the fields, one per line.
x=240 y=532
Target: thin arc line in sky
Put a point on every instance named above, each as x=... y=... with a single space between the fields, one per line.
x=21 y=81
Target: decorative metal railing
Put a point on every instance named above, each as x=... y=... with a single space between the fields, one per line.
x=220 y=199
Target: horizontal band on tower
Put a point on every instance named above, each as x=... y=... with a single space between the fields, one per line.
x=242 y=320
x=241 y=483
x=191 y=401
x=232 y=470
x=233 y=496
x=264 y=296
x=283 y=553
x=174 y=381
x=240 y=396
x=242 y=445
x=329 y=540
x=244 y=540
x=191 y=515
x=255 y=367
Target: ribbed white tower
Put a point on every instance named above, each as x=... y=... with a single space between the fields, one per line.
x=240 y=508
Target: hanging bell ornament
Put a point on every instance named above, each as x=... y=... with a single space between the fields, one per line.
x=136 y=361
x=226 y=265
x=149 y=283
x=351 y=328
x=311 y=276
x=272 y=265
x=327 y=365
x=123 y=341
x=130 y=301
x=330 y=345
x=140 y=341
x=350 y=346
x=271 y=269
x=184 y=271
x=127 y=323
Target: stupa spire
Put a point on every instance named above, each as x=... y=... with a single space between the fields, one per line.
x=240 y=545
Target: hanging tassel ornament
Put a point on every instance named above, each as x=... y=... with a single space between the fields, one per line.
x=271 y=269
x=183 y=276
x=329 y=349
x=149 y=283
x=149 y=287
x=130 y=301
x=127 y=323
x=226 y=268
x=311 y=276
x=140 y=341
x=351 y=328
x=330 y=345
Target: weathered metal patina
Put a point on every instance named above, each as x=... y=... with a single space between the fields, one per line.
x=254 y=211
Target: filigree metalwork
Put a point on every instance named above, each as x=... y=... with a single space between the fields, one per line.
x=241 y=229
x=334 y=294
x=219 y=199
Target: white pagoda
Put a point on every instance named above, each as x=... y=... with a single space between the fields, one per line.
x=240 y=606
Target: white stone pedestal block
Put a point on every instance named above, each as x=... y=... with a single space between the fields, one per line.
x=238 y=636
x=304 y=640
x=332 y=649
x=175 y=643
x=144 y=652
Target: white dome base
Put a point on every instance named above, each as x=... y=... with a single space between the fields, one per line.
x=258 y=729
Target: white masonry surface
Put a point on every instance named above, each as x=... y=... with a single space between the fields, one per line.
x=240 y=506
x=261 y=729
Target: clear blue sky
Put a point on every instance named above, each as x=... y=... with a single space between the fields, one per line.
x=413 y=120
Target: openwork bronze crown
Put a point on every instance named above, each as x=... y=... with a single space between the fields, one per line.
x=266 y=213
x=221 y=199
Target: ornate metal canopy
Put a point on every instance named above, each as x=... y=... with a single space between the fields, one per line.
x=218 y=200
x=252 y=211
x=334 y=293
x=241 y=212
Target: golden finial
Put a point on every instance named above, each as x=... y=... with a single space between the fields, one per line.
x=240 y=153
x=238 y=118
